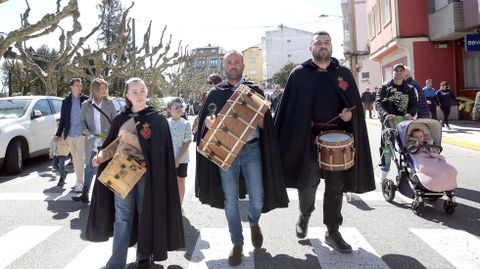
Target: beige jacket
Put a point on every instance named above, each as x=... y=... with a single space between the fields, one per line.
x=131 y=147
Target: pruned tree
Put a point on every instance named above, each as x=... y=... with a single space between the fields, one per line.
x=185 y=81
x=46 y=25
x=77 y=60
x=281 y=76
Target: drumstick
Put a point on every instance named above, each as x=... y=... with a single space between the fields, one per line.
x=334 y=118
x=212 y=108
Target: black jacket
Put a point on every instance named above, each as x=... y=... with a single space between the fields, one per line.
x=208 y=184
x=64 y=124
x=293 y=121
x=160 y=226
x=391 y=101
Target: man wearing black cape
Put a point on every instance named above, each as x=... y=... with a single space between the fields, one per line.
x=159 y=228
x=318 y=91
x=258 y=162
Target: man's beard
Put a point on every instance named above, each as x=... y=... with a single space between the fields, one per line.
x=319 y=58
x=233 y=76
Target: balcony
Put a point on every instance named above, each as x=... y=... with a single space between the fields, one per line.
x=447 y=23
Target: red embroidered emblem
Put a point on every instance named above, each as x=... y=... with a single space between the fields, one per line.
x=342 y=83
x=146 y=132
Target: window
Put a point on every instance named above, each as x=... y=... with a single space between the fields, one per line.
x=252 y=60
x=472 y=69
x=213 y=50
x=385 y=11
x=213 y=62
x=289 y=55
x=376 y=14
x=371 y=26
x=288 y=40
x=253 y=72
x=43 y=106
x=56 y=105
x=365 y=75
x=200 y=63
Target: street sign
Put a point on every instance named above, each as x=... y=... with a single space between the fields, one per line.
x=472 y=42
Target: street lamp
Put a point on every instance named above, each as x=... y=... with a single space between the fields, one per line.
x=327 y=15
x=10 y=55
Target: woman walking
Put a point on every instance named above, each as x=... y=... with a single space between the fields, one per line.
x=150 y=214
x=445 y=97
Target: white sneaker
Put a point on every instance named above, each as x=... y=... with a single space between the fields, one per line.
x=78 y=188
x=383 y=176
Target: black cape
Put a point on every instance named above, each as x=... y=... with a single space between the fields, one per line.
x=293 y=121
x=160 y=228
x=208 y=184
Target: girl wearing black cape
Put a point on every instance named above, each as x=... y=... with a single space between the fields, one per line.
x=150 y=215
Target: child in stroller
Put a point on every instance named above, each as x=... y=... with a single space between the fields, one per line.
x=423 y=174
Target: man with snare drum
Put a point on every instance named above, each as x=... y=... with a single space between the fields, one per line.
x=322 y=94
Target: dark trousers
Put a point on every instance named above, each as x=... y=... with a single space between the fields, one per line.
x=446 y=114
x=332 y=198
x=433 y=110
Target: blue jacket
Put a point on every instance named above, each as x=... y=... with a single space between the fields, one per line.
x=64 y=125
x=423 y=111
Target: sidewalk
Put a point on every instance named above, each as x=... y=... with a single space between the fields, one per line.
x=465 y=134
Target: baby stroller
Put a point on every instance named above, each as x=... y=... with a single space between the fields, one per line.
x=412 y=181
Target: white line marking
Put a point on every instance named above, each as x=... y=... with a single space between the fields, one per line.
x=363 y=255
x=19 y=241
x=460 y=248
x=96 y=255
x=37 y=196
x=213 y=247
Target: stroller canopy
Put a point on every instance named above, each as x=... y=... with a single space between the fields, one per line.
x=430 y=127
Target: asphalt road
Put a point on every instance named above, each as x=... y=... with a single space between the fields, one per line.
x=40 y=227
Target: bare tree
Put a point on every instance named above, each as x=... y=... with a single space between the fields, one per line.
x=76 y=60
x=48 y=24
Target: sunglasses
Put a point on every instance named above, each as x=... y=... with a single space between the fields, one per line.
x=177 y=107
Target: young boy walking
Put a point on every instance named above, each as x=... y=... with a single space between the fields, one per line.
x=181 y=132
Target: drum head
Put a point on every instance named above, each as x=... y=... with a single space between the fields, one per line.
x=334 y=137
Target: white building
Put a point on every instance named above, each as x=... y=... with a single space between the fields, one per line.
x=367 y=73
x=282 y=46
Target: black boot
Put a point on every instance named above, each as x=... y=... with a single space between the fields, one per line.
x=61 y=181
x=82 y=197
x=334 y=239
x=302 y=226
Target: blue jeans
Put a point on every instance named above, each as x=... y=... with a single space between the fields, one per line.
x=58 y=163
x=387 y=157
x=249 y=162
x=89 y=171
x=124 y=211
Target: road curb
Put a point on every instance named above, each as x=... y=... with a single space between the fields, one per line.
x=445 y=139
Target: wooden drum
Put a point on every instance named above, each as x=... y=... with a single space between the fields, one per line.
x=336 y=151
x=122 y=173
x=237 y=120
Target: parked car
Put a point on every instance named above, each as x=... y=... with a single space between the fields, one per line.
x=27 y=124
x=119 y=103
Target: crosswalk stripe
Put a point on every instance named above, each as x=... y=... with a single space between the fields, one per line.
x=211 y=250
x=22 y=239
x=293 y=196
x=369 y=196
x=37 y=196
x=96 y=255
x=363 y=255
x=460 y=248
